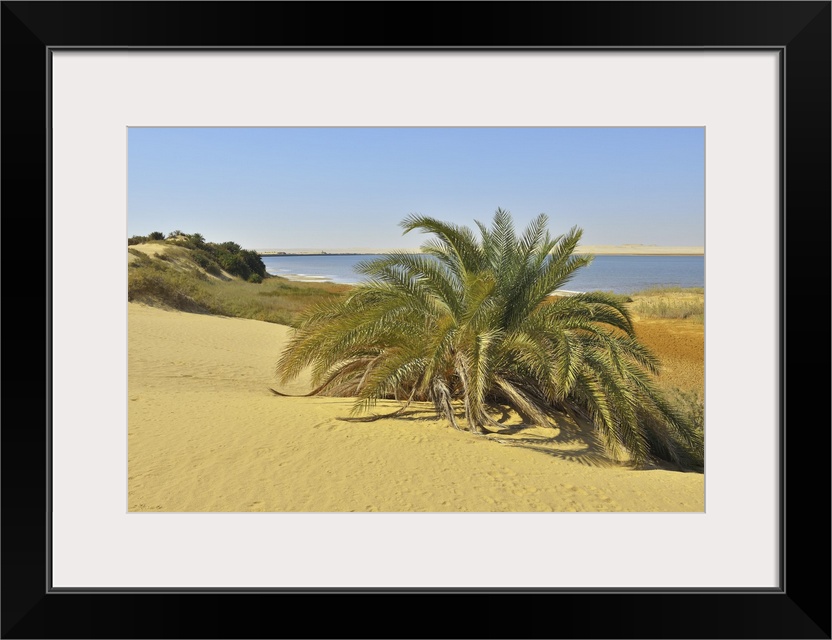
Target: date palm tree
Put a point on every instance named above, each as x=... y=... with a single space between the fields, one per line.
x=471 y=323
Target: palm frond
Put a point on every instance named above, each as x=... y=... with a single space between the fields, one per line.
x=470 y=322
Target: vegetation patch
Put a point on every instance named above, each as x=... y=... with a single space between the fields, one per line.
x=469 y=325
x=155 y=236
x=188 y=274
x=158 y=284
x=692 y=405
x=671 y=302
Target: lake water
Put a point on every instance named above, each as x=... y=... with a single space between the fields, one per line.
x=620 y=274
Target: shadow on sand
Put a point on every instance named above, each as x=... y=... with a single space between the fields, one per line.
x=564 y=439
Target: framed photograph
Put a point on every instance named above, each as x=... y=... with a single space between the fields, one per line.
x=82 y=81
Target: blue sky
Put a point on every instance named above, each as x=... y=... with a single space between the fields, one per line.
x=337 y=188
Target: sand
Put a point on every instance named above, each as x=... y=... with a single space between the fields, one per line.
x=206 y=434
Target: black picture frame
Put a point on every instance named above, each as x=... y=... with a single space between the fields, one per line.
x=799 y=608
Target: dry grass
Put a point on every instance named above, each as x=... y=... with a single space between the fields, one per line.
x=670 y=302
x=275 y=300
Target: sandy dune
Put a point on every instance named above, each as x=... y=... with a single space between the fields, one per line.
x=206 y=434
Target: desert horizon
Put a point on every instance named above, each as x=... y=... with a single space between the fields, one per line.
x=602 y=250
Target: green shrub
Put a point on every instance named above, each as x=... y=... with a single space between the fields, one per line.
x=254 y=262
x=256 y=278
x=156 y=235
x=206 y=261
x=229 y=247
x=195 y=241
x=235 y=265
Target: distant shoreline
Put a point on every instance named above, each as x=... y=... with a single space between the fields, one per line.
x=280 y=254
x=598 y=250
